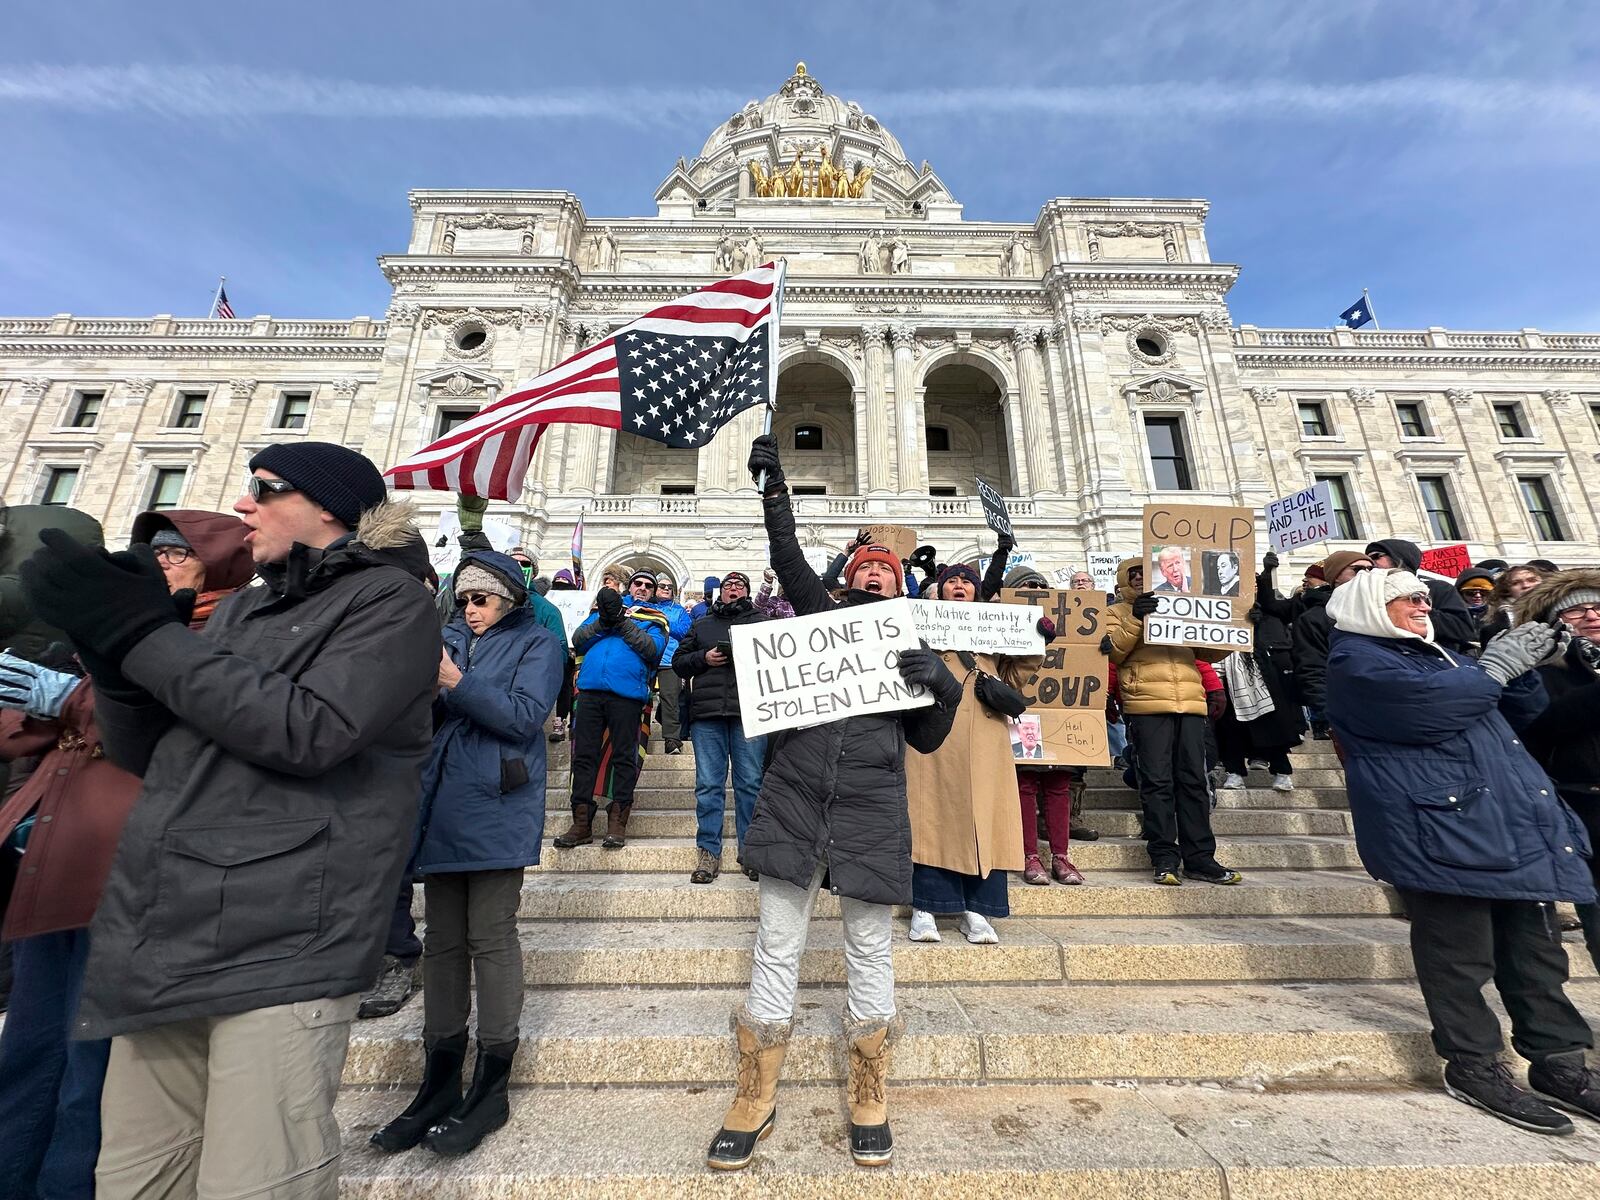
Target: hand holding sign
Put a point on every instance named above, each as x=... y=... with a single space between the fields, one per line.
x=1199 y=556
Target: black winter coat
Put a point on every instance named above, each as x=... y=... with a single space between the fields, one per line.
x=837 y=792
x=1565 y=737
x=1454 y=626
x=1309 y=648
x=281 y=752
x=713 y=693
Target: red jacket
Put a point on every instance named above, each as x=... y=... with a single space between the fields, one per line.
x=81 y=802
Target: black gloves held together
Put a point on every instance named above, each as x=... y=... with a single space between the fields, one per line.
x=1144 y=604
x=609 y=604
x=107 y=603
x=764 y=457
x=924 y=667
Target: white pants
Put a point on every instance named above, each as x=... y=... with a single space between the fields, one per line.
x=781 y=940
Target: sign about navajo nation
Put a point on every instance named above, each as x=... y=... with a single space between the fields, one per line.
x=1197 y=559
x=980 y=628
x=825 y=667
x=1302 y=518
x=1065 y=723
x=573 y=606
x=994 y=507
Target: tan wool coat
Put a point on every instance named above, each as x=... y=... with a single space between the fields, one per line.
x=963 y=797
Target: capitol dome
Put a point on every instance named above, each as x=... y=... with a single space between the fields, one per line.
x=805 y=147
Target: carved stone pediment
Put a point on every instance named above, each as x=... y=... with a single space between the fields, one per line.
x=1164 y=389
x=459 y=383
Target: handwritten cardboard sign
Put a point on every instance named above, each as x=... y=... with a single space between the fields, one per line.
x=1302 y=518
x=981 y=628
x=994 y=507
x=573 y=606
x=1200 y=561
x=811 y=670
x=1448 y=561
x=901 y=539
x=1067 y=694
x=1103 y=568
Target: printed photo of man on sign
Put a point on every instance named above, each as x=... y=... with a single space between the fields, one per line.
x=1201 y=558
x=1065 y=724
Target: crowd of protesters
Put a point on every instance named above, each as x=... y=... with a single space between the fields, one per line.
x=237 y=744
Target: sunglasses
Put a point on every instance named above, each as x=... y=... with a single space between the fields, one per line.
x=175 y=555
x=258 y=489
x=1419 y=598
x=477 y=599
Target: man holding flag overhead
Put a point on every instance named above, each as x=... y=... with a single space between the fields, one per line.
x=675 y=375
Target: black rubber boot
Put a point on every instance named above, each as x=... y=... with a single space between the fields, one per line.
x=439 y=1093
x=485 y=1108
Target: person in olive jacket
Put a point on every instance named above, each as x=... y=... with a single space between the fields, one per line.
x=281 y=750
x=832 y=807
x=704 y=659
x=481 y=819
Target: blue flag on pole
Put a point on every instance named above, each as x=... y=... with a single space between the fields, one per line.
x=1358 y=314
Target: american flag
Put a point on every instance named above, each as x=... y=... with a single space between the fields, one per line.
x=675 y=375
x=222 y=308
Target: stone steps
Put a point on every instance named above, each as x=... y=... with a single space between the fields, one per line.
x=978 y=1033
x=653 y=794
x=1374 y=1142
x=682 y=776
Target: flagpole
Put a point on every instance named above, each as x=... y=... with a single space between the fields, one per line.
x=772 y=353
x=1370 y=311
x=217 y=295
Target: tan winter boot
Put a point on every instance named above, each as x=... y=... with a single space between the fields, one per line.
x=754 y=1110
x=867 y=1092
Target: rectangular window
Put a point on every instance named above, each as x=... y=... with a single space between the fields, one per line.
x=1169 y=460
x=1344 y=516
x=293 y=410
x=1314 y=418
x=809 y=489
x=1436 y=501
x=191 y=410
x=1594 y=411
x=1412 y=422
x=59 y=483
x=1509 y=417
x=449 y=418
x=677 y=489
x=86 y=410
x=166 y=487
x=1541 y=509
x=942 y=491
x=938 y=439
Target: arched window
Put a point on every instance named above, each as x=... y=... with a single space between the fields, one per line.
x=808 y=437
x=938 y=437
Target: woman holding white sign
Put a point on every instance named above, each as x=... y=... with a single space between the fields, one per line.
x=965 y=834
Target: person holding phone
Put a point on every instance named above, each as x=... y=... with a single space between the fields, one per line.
x=704 y=661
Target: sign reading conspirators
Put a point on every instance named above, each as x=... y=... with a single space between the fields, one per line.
x=979 y=628
x=994 y=507
x=1200 y=561
x=1302 y=517
x=1067 y=694
x=825 y=667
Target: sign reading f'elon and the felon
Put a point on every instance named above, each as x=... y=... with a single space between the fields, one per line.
x=1200 y=561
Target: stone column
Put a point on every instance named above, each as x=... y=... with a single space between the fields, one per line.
x=1017 y=442
x=1038 y=439
x=912 y=444
x=556 y=442
x=879 y=426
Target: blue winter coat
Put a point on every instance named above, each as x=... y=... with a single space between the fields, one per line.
x=483 y=788
x=1444 y=796
x=678 y=623
x=620 y=658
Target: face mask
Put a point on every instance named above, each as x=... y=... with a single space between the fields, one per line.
x=527 y=576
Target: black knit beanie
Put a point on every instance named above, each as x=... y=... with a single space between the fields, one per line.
x=334 y=477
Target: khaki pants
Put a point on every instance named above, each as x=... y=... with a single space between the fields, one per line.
x=225 y=1107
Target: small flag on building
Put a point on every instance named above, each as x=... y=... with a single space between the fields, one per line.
x=222 y=308
x=1358 y=314
x=675 y=375
x=577 y=552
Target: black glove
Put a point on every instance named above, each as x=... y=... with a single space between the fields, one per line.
x=1105 y=645
x=1144 y=604
x=1047 y=629
x=107 y=603
x=1269 y=564
x=1007 y=544
x=920 y=666
x=609 y=602
x=764 y=457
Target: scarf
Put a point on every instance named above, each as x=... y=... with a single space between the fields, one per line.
x=1247 y=690
x=204 y=605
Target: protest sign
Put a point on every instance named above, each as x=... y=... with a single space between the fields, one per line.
x=1198 y=558
x=1448 y=561
x=981 y=628
x=994 y=508
x=1067 y=694
x=810 y=670
x=573 y=606
x=1302 y=517
x=1103 y=568
x=1017 y=558
x=901 y=539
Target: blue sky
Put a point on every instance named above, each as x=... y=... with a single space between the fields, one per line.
x=1446 y=156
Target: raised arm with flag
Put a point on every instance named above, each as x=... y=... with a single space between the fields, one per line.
x=675 y=375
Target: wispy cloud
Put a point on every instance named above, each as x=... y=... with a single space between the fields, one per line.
x=234 y=92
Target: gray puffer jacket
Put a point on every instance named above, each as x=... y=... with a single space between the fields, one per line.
x=281 y=751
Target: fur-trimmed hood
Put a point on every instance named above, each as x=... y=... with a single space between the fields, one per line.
x=388 y=526
x=1543 y=602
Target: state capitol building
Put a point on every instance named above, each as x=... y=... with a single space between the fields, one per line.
x=1086 y=363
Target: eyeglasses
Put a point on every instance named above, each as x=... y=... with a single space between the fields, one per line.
x=259 y=488
x=176 y=555
x=477 y=599
x=1579 y=611
x=1419 y=598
